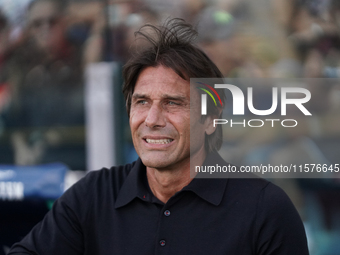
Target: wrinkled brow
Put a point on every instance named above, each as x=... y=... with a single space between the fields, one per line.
x=164 y=96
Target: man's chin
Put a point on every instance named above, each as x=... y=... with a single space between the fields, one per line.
x=156 y=165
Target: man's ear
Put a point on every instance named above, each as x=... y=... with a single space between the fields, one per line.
x=209 y=123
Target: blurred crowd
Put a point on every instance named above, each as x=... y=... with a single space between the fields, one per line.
x=43 y=57
x=42 y=83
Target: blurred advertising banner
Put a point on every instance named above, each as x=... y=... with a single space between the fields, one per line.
x=18 y=183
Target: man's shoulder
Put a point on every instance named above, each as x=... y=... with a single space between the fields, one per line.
x=249 y=180
x=98 y=181
x=115 y=175
x=259 y=192
x=243 y=179
x=249 y=185
x=121 y=171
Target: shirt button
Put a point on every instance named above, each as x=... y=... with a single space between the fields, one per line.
x=167 y=213
x=162 y=242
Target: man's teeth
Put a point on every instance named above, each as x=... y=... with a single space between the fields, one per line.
x=159 y=141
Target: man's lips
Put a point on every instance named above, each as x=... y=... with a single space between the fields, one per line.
x=157 y=140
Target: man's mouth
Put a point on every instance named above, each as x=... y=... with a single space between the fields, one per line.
x=159 y=141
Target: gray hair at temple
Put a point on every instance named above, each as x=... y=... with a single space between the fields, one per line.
x=172 y=45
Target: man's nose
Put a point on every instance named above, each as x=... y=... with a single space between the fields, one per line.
x=155 y=117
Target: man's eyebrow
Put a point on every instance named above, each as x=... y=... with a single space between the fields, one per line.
x=136 y=96
x=164 y=96
x=173 y=97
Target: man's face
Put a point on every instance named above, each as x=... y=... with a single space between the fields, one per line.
x=160 y=119
x=44 y=24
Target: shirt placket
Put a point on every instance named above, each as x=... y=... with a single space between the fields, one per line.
x=167 y=218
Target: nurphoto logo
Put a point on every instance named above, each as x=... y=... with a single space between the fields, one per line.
x=239 y=104
x=204 y=97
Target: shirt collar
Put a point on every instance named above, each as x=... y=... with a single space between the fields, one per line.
x=136 y=184
x=210 y=189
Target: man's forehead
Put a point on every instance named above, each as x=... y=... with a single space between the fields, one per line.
x=161 y=71
x=161 y=80
x=181 y=91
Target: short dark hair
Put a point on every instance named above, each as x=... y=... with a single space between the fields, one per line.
x=172 y=45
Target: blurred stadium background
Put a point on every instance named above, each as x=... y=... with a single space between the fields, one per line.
x=62 y=112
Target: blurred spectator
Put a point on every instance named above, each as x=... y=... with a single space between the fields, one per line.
x=217 y=36
x=3 y=37
x=46 y=116
x=4 y=87
x=133 y=15
x=189 y=9
x=86 y=25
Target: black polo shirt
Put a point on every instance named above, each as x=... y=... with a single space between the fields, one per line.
x=114 y=212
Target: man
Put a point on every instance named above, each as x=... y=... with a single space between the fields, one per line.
x=153 y=206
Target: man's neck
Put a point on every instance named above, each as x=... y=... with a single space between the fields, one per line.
x=165 y=183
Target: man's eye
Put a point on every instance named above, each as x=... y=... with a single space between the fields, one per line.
x=142 y=102
x=172 y=103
